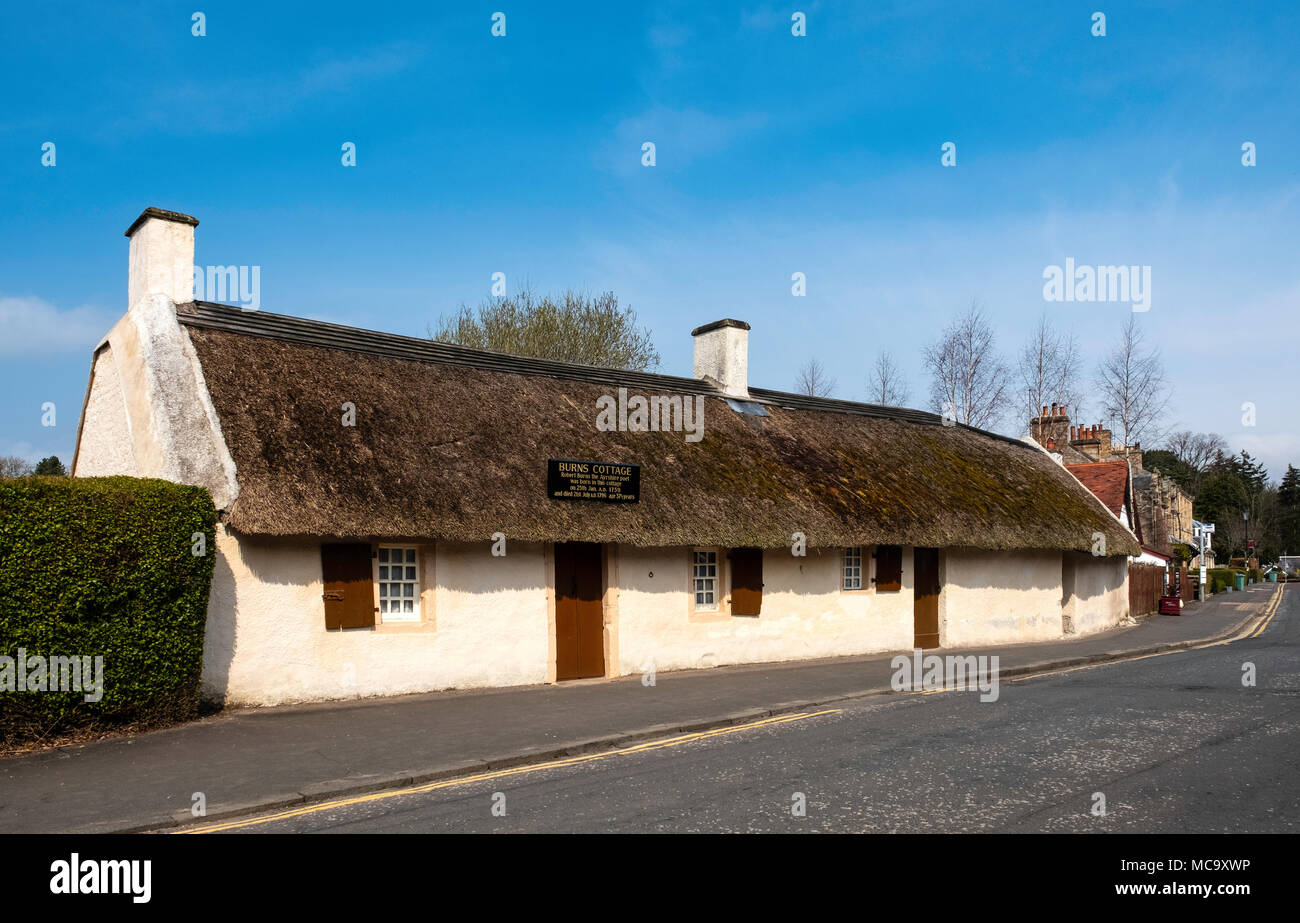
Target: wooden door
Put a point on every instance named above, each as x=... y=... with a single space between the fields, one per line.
x=746 y=581
x=579 y=611
x=925 y=600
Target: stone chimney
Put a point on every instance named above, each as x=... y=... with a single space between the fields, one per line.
x=1052 y=425
x=722 y=356
x=162 y=256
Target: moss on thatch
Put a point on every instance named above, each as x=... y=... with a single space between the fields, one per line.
x=458 y=452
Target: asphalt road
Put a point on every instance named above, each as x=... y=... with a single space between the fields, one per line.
x=1175 y=743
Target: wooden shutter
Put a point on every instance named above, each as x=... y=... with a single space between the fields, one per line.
x=889 y=567
x=746 y=581
x=349 y=585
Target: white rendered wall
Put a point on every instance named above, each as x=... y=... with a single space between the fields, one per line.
x=1100 y=593
x=105 y=445
x=992 y=597
x=804 y=613
x=266 y=641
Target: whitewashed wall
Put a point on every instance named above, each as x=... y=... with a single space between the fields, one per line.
x=105 y=447
x=266 y=641
x=804 y=614
x=489 y=621
x=992 y=597
x=1100 y=593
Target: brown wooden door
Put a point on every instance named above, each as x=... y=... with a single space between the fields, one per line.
x=746 y=581
x=349 y=588
x=579 y=611
x=925 y=604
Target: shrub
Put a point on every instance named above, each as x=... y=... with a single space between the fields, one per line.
x=103 y=567
x=1220 y=578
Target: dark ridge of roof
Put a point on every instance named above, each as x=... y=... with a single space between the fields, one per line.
x=456 y=450
x=719 y=324
x=357 y=339
x=290 y=329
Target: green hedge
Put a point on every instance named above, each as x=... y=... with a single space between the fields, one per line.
x=103 y=567
x=1221 y=578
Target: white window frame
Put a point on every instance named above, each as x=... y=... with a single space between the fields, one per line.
x=850 y=554
x=384 y=584
x=716 y=578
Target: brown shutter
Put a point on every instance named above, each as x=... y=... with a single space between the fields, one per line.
x=889 y=567
x=349 y=585
x=746 y=581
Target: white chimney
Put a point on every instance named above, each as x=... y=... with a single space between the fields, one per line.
x=722 y=356
x=162 y=256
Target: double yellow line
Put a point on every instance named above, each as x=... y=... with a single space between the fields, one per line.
x=504 y=773
x=1269 y=611
x=1251 y=632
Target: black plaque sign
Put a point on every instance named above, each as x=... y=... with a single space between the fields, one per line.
x=609 y=482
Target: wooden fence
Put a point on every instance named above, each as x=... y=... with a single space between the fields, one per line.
x=1145 y=582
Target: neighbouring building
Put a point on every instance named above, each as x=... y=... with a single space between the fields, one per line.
x=1161 y=511
x=1112 y=483
x=399 y=515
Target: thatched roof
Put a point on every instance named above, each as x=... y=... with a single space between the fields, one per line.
x=453 y=444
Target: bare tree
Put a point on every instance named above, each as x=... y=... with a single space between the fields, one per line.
x=11 y=466
x=886 y=384
x=1131 y=383
x=1048 y=370
x=969 y=381
x=1197 y=450
x=813 y=380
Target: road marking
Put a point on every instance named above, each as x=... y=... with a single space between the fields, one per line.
x=502 y=773
x=1275 y=603
x=1250 y=631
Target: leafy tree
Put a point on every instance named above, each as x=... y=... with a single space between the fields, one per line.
x=572 y=328
x=1288 y=518
x=51 y=466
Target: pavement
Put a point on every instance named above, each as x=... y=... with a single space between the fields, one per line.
x=1168 y=743
x=246 y=761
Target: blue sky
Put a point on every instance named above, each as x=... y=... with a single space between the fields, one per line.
x=775 y=154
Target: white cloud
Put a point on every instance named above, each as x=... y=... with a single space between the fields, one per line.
x=34 y=327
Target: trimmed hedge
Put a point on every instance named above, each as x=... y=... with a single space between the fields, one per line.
x=103 y=567
x=1221 y=578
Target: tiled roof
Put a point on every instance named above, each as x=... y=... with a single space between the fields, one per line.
x=1108 y=480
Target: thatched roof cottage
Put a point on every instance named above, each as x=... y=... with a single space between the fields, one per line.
x=400 y=515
